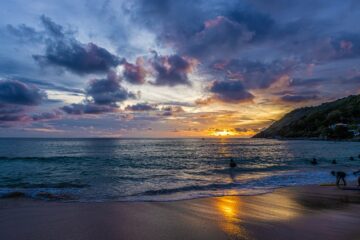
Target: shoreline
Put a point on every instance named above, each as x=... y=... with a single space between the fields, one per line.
x=308 y=139
x=302 y=212
x=61 y=198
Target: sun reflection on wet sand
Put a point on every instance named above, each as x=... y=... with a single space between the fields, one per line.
x=229 y=209
x=273 y=207
x=234 y=212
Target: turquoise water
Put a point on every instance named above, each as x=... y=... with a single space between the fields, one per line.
x=164 y=169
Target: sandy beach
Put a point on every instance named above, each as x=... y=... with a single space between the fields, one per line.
x=312 y=212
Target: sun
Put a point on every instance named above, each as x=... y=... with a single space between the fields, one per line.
x=223 y=133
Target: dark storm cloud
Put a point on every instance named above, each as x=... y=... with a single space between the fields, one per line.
x=256 y=74
x=46 y=116
x=102 y=96
x=17 y=100
x=87 y=108
x=77 y=57
x=211 y=30
x=51 y=30
x=15 y=92
x=260 y=24
x=310 y=82
x=141 y=107
x=63 y=50
x=172 y=20
x=107 y=91
x=171 y=110
x=298 y=98
x=134 y=73
x=226 y=35
x=205 y=29
x=11 y=113
x=172 y=70
x=11 y=118
x=219 y=37
x=230 y=91
x=54 y=29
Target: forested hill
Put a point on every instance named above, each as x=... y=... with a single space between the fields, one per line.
x=332 y=120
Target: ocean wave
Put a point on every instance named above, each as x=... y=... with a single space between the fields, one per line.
x=209 y=187
x=53 y=158
x=59 y=185
x=38 y=195
x=241 y=169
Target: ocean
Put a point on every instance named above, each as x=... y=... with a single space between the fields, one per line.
x=96 y=170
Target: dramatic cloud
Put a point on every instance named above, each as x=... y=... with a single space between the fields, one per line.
x=46 y=116
x=230 y=91
x=298 y=98
x=87 y=108
x=268 y=56
x=63 y=50
x=219 y=37
x=205 y=32
x=53 y=28
x=172 y=20
x=15 y=92
x=102 y=96
x=11 y=113
x=134 y=73
x=77 y=57
x=171 y=110
x=107 y=91
x=260 y=24
x=172 y=70
x=17 y=99
x=141 y=107
x=256 y=74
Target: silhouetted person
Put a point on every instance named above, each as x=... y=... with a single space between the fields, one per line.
x=351 y=158
x=232 y=163
x=358 y=177
x=334 y=161
x=340 y=176
x=359 y=156
x=314 y=161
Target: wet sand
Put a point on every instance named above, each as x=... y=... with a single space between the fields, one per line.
x=313 y=212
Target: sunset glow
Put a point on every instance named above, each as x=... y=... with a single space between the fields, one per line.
x=215 y=70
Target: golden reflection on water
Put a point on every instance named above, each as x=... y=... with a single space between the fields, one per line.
x=223 y=148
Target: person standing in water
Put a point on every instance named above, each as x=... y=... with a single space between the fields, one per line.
x=340 y=176
x=355 y=173
x=314 y=161
x=232 y=163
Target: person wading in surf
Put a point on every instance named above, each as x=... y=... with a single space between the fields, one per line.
x=355 y=173
x=340 y=176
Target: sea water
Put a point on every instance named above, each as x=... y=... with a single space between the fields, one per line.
x=165 y=169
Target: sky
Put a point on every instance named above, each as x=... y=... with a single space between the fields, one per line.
x=169 y=68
